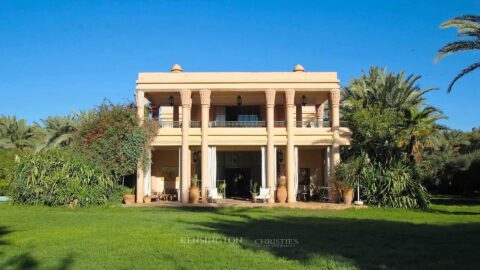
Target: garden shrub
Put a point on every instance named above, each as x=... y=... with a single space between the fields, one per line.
x=59 y=177
x=7 y=162
x=393 y=185
x=111 y=137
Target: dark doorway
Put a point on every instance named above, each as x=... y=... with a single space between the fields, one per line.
x=238 y=181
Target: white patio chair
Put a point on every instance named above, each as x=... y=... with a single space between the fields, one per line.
x=264 y=194
x=213 y=194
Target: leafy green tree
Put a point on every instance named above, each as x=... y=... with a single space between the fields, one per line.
x=467 y=26
x=110 y=135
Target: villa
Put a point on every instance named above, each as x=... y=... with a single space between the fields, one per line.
x=231 y=128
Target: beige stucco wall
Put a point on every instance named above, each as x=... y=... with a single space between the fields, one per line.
x=164 y=164
x=313 y=158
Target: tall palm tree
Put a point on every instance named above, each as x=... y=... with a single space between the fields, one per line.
x=419 y=129
x=467 y=26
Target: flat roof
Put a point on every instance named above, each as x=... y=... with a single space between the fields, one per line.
x=235 y=77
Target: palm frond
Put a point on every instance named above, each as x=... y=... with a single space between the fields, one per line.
x=457 y=46
x=461 y=74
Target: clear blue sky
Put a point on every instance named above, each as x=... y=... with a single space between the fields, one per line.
x=58 y=56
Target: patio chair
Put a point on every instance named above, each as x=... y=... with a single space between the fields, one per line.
x=264 y=194
x=213 y=194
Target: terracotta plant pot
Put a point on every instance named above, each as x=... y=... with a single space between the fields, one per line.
x=254 y=198
x=147 y=199
x=194 y=195
x=282 y=194
x=347 y=195
x=128 y=198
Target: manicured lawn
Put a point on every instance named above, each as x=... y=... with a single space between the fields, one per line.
x=447 y=236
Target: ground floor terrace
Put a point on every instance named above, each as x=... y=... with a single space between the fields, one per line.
x=237 y=171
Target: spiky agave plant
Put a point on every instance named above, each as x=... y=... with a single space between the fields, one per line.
x=467 y=26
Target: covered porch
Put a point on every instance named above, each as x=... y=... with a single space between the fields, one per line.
x=233 y=171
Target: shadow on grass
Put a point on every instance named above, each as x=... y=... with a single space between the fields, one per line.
x=25 y=260
x=456 y=200
x=366 y=244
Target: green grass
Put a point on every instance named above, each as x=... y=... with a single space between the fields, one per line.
x=446 y=236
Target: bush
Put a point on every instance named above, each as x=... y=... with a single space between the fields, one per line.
x=111 y=137
x=7 y=162
x=58 y=177
x=394 y=185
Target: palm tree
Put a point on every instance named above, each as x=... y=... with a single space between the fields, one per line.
x=389 y=90
x=467 y=26
x=419 y=129
x=17 y=134
x=60 y=130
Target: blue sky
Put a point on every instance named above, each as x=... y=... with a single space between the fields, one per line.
x=59 y=56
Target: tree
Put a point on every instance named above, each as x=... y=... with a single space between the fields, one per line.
x=17 y=134
x=60 y=130
x=467 y=26
x=418 y=129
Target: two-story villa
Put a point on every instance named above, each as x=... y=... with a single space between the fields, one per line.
x=232 y=128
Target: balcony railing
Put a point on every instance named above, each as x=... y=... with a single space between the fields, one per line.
x=195 y=124
x=249 y=124
x=169 y=124
x=217 y=124
x=312 y=124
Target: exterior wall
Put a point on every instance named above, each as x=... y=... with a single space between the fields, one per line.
x=165 y=165
x=313 y=159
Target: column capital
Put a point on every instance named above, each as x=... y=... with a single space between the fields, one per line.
x=205 y=97
x=335 y=97
x=186 y=98
x=290 y=97
x=270 y=97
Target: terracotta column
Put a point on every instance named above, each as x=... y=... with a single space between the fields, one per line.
x=334 y=104
x=186 y=97
x=205 y=101
x=319 y=110
x=289 y=102
x=270 y=102
x=140 y=171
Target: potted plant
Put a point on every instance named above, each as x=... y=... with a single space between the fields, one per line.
x=194 y=193
x=254 y=189
x=282 y=190
x=147 y=199
x=128 y=196
x=345 y=177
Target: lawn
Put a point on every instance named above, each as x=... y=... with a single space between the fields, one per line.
x=446 y=236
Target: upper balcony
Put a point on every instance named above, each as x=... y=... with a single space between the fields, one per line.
x=238 y=104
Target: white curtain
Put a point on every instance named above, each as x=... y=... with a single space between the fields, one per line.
x=275 y=169
x=179 y=174
x=212 y=166
x=147 y=178
x=264 y=185
x=329 y=166
x=295 y=170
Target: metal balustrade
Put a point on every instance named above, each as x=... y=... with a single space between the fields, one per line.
x=169 y=124
x=312 y=124
x=250 y=124
x=195 y=124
